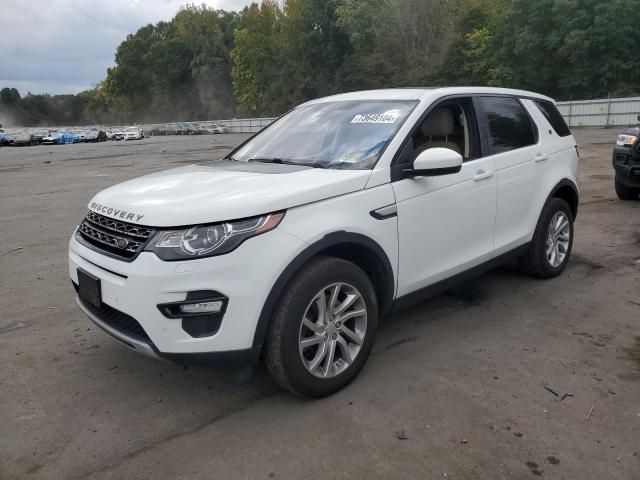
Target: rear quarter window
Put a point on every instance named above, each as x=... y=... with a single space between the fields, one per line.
x=508 y=124
x=554 y=117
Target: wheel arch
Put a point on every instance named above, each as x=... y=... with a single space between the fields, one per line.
x=363 y=251
x=567 y=190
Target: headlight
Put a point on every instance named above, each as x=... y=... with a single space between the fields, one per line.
x=209 y=240
x=626 y=140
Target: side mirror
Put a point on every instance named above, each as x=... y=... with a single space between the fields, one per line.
x=435 y=162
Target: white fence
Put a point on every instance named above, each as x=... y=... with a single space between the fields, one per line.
x=246 y=125
x=235 y=125
x=608 y=112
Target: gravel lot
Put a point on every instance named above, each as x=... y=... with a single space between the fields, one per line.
x=455 y=387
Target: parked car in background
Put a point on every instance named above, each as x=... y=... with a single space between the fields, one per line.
x=345 y=208
x=21 y=139
x=156 y=131
x=90 y=136
x=215 y=128
x=133 y=133
x=81 y=134
x=116 y=135
x=51 y=139
x=60 y=138
x=40 y=135
x=626 y=163
x=95 y=136
x=184 y=129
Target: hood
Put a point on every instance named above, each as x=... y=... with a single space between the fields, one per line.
x=222 y=190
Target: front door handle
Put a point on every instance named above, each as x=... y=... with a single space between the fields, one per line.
x=482 y=175
x=541 y=157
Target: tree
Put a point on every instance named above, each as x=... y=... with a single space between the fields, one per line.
x=564 y=48
x=208 y=63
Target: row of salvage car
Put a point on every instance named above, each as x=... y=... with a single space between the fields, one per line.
x=186 y=129
x=62 y=137
x=69 y=136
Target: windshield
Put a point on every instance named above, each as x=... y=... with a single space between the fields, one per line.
x=345 y=135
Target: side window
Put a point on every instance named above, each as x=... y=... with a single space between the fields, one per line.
x=554 y=117
x=508 y=123
x=450 y=125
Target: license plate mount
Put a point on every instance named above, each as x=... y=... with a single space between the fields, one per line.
x=89 y=290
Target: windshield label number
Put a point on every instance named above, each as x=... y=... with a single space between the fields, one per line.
x=387 y=117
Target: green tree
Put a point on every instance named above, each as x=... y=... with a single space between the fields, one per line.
x=568 y=49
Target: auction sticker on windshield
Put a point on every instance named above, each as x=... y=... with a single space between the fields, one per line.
x=387 y=117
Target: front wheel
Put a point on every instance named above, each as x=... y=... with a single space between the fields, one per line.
x=552 y=241
x=323 y=328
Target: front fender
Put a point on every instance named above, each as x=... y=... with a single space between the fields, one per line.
x=328 y=242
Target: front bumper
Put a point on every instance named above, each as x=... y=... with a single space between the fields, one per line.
x=135 y=289
x=626 y=163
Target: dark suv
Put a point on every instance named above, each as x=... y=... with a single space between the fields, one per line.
x=626 y=162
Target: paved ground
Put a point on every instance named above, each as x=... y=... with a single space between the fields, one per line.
x=455 y=387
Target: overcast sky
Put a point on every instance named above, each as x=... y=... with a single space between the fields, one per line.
x=65 y=46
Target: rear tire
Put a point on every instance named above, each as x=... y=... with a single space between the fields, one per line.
x=314 y=350
x=626 y=193
x=552 y=241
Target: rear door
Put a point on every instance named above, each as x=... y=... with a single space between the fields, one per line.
x=510 y=138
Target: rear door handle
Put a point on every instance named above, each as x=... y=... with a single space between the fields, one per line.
x=541 y=157
x=482 y=175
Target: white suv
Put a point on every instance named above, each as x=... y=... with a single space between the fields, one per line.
x=347 y=207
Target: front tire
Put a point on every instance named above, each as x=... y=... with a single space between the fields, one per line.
x=552 y=241
x=626 y=193
x=323 y=328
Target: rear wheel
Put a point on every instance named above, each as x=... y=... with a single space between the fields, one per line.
x=323 y=328
x=552 y=241
x=626 y=193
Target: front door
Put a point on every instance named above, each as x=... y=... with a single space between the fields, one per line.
x=445 y=223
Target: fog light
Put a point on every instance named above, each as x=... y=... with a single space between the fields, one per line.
x=204 y=307
x=201 y=304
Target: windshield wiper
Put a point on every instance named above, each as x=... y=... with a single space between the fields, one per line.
x=282 y=161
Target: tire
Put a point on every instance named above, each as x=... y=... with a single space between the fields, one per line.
x=289 y=363
x=537 y=262
x=626 y=193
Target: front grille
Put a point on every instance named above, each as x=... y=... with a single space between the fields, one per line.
x=116 y=237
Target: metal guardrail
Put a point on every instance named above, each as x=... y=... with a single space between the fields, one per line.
x=608 y=112
x=246 y=125
x=235 y=125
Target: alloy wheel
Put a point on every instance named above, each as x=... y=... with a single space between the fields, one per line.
x=558 y=237
x=332 y=330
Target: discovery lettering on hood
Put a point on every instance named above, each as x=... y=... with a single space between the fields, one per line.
x=115 y=212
